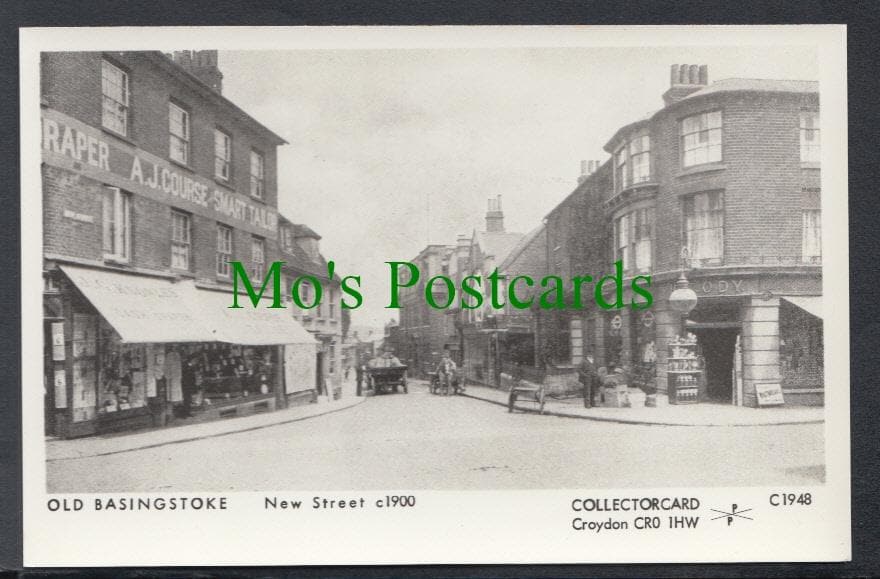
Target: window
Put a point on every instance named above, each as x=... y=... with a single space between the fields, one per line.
x=633 y=235
x=704 y=227
x=116 y=224
x=258 y=258
x=114 y=98
x=258 y=180
x=178 y=128
x=180 y=240
x=621 y=241
x=222 y=154
x=224 y=250
x=621 y=175
x=810 y=142
x=331 y=304
x=812 y=237
x=640 y=158
x=332 y=365
x=701 y=139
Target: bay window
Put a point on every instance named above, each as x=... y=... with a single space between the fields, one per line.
x=633 y=239
x=640 y=159
x=701 y=139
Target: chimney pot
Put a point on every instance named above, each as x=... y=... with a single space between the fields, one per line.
x=704 y=74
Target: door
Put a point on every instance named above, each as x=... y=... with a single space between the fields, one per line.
x=319 y=373
x=718 y=346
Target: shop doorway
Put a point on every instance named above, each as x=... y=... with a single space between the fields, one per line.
x=718 y=348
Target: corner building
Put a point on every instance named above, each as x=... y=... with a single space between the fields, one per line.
x=723 y=182
x=153 y=183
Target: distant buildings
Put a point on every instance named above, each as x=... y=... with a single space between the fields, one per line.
x=721 y=183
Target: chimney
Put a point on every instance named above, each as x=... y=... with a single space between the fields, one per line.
x=495 y=216
x=685 y=79
x=202 y=64
x=587 y=169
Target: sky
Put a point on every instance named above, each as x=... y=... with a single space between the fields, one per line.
x=392 y=149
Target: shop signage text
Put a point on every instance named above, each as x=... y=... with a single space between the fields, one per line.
x=722 y=287
x=140 y=170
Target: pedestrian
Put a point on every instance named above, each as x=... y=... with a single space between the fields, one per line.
x=359 y=376
x=347 y=370
x=589 y=378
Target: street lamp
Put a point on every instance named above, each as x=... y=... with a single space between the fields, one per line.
x=683 y=299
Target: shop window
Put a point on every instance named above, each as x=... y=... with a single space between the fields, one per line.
x=178 y=129
x=258 y=258
x=701 y=139
x=258 y=175
x=114 y=98
x=84 y=345
x=116 y=224
x=812 y=236
x=810 y=137
x=226 y=372
x=180 y=240
x=704 y=228
x=122 y=373
x=224 y=250
x=222 y=154
x=640 y=158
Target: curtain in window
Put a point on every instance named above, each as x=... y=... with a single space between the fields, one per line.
x=704 y=223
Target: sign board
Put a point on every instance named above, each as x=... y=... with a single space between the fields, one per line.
x=71 y=144
x=769 y=394
x=58 y=341
x=60 y=384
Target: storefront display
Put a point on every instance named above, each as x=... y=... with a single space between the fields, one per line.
x=684 y=370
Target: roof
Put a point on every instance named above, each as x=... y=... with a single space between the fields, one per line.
x=497 y=244
x=721 y=86
x=521 y=246
x=303 y=230
x=164 y=60
x=757 y=85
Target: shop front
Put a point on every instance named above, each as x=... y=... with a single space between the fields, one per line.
x=752 y=340
x=127 y=351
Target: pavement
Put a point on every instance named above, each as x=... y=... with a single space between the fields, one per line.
x=665 y=414
x=114 y=443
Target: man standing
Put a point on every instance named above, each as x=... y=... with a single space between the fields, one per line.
x=589 y=378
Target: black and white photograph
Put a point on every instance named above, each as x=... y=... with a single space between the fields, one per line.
x=310 y=272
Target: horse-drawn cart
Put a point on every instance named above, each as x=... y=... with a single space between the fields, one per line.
x=387 y=379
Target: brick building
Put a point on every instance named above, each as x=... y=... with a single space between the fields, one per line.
x=153 y=184
x=723 y=184
x=424 y=332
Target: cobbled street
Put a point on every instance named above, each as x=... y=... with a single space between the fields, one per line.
x=420 y=441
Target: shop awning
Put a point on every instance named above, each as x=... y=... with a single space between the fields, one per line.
x=249 y=325
x=142 y=309
x=810 y=304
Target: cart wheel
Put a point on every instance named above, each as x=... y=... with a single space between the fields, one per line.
x=395 y=388
x=510 y=402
